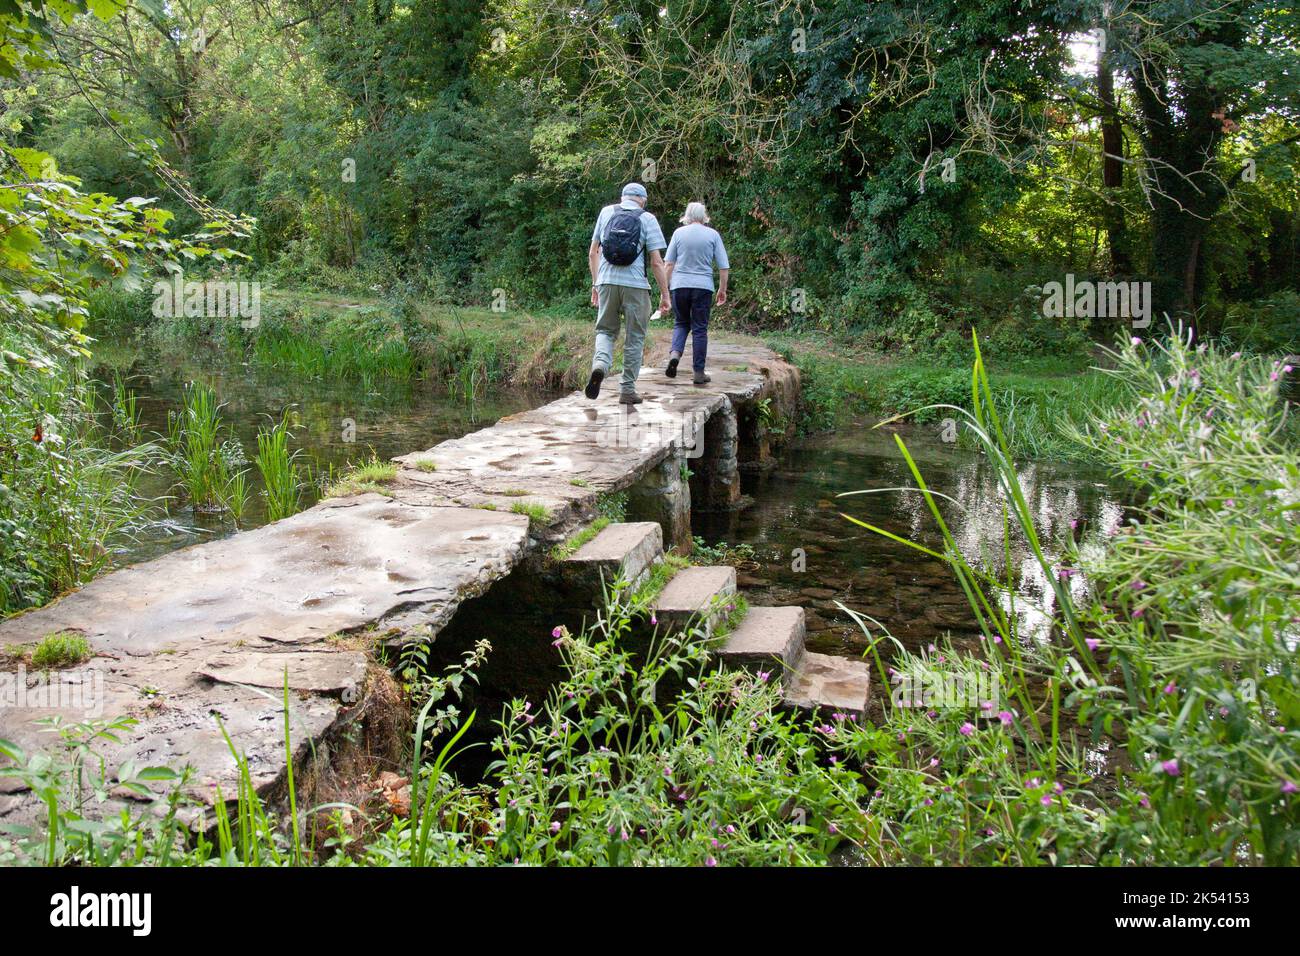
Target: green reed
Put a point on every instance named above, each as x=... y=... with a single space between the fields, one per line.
x=281 y=477
x=204 y=459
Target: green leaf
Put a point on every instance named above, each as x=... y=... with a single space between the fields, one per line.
x=106 y=9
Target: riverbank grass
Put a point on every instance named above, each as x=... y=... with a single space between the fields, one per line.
x=1042 y=399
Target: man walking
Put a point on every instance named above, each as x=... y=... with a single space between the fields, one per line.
x=624 y=235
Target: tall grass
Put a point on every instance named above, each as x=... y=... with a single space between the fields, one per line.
x=281 y=476
x=467 y=351
x=69 y=485
x=363 y=345
x=1155 y=726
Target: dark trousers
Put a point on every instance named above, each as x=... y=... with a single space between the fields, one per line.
x=691 y=311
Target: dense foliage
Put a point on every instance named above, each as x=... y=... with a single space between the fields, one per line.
x=903 y=170
x=68 y=461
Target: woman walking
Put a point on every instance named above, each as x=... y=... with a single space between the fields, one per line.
x=693 y=251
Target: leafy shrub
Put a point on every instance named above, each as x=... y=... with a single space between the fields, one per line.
x=828 y=389
x=917 y=389
x=1270 y=325
x=68 y=482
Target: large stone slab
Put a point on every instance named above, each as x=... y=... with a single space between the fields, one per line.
x=340 y=566
x=624 y=550
x=560 y=455
x=768 y=639
x=826 y=683
x=696 y=593
x=216 y=630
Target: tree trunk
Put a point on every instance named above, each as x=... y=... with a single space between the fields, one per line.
x=1112 y=172
x=1183 y=186
x=1183 y=119
x=1176 y=259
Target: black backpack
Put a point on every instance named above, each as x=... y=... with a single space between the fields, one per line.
x=621 y=243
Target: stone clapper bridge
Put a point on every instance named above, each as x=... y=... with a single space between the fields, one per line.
x=212 y=630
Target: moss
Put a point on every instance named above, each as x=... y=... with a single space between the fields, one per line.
x=538 y=514
x=578 y=539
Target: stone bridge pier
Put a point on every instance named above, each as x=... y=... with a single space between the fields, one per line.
x=715 y=474
x=663 y=495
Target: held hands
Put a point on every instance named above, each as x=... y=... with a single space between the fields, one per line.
x=664 y=304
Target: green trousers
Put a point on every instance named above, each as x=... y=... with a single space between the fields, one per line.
x=619 y=303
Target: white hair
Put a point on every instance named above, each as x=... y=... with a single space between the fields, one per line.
x=695 y=212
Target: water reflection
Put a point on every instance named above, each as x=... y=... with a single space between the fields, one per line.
x=335 y=423
x=911 y=593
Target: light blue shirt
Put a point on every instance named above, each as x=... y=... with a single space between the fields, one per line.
x=694 y=250
x=633 y=274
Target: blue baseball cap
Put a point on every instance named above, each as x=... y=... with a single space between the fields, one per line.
x=634 y=189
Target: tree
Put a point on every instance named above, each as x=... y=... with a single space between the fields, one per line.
x=57 y=243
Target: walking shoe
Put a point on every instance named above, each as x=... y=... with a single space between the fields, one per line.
x=701 y=378
x=629 y=398
x=671 y=370
x=593 y=384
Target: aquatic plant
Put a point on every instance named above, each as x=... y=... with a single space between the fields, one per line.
x=235 y=495
x=1155 y=726
x=281 y=477
x=205 y=457
x=735 y=555
x=125 y=410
